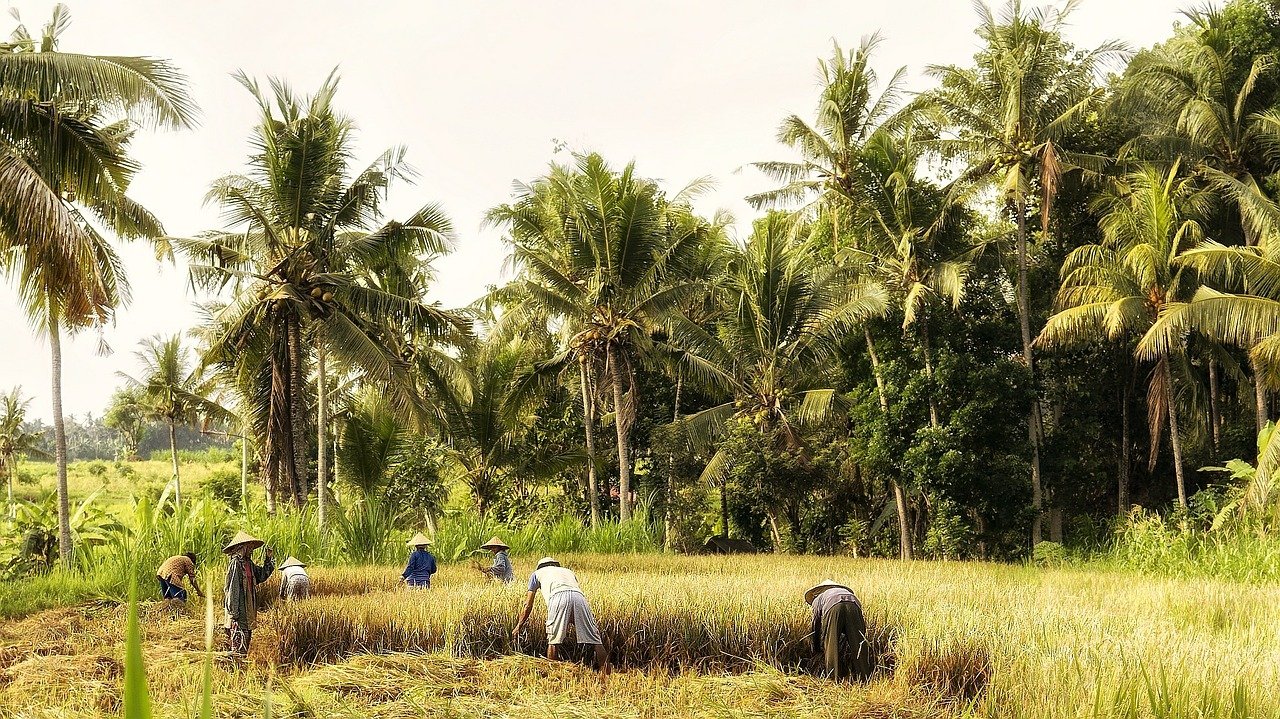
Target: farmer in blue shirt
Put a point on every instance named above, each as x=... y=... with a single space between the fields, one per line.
x=421 y=564
x=501 y=571
x=837 y=616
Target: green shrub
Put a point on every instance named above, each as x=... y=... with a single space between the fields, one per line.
x=224 y=485
x=97 y=468
x=1049 y=554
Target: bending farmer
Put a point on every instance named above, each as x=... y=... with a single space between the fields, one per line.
x=566 y=607
x=294 y=582
x=839 y=630
x=172 y=573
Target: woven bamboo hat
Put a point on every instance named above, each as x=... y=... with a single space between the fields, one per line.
x=548 y=562
x=240 y=539
x=291 y=562
x=495 y=544
x=821 y=587
x=418 y=540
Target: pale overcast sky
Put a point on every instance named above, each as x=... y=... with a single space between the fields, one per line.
x=479 y=91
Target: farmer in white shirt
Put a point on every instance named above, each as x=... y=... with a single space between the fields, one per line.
x=566 y=607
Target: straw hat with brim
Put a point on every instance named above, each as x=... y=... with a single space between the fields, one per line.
x=241 y=539
x=817 y=589
x=495 y=544
x=418 y=540
x=547 y=562
x=291 y=562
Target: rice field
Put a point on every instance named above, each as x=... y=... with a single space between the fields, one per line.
x=693 y=636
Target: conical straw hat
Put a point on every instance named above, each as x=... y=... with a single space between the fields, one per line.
x=548 y=562
x=291 y=562
x=821 y=587
x=418 y=540
x=243 y=537
x=495 y=543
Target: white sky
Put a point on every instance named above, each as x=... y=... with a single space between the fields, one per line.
x=478 y=91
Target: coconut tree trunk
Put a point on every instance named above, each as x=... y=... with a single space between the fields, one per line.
x=671 y=469
x=899 y=496
x=724 y=508
x=589 y=425
x=1215 y=416
x=621 y=423
x=1174 y=440
x=173 y=455
x=1259 y=397
x=59 y=439
x=1126 y=460
x=244 y=470
x=1034 y=432
x=322 y=447
x=927 y=351
x=297 y=414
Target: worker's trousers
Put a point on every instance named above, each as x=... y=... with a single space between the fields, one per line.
x=844 y=642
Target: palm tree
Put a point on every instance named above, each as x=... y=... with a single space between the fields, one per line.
x=1117 y=291
x=773 y=352
x=1007 y=116
x=832 y=178
x=16 y=441
x=65 y=123
x=313 y=265
x=1195 y=107
x=486 y=419
x=172 y=393
x=603 y=249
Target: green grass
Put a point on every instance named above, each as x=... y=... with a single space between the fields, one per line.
x=117 y=483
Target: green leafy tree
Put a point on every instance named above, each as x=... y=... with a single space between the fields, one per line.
x=603 y=250
x=16 y=439
x=173 y=393
x=1006 y=117
x=313 y=269
x=65 y=124
x=773 y=353
x=1118 y=290
x=125 y=415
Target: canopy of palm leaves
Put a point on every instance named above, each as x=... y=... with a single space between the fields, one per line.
x=312 y=260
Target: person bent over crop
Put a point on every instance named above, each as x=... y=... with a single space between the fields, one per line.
x=172 y=574
x=566 y=607
x=294 y=582
x=239 y=600
x=839 y=630
x=422 y=564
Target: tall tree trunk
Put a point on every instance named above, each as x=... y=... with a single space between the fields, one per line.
x=589 y=425
x=1173 y=434
x=724 y=508
x=1034 y=429
x=927 y=351
x=1215 y=416
x=59 y=439
x=10 y=510
x=671 y=469
x=322 y=446
x=244 y=470
x=1259 y=398
x=622 y=423
x=1126 y=449
x=173 y=454
x=899 y=496
x=297 y=414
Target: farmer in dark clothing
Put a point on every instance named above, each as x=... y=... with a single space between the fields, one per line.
x=837 y=615
x=239 y=596
x=422 y=564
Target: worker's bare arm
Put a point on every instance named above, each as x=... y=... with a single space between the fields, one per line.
x=524 y=615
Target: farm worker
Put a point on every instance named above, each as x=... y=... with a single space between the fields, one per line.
x=421 y=563
x=501 y=571
x=239 y=595
x=294 y=582
x=837 y=614
x=566 y=607
x=171 y=574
